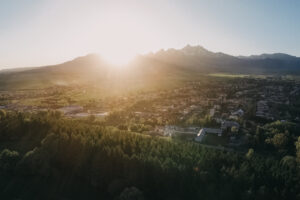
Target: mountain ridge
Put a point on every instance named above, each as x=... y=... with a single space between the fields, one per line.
x=198 y=57
x=190 y=61
x=195 y=53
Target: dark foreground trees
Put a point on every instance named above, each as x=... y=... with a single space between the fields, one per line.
x=44 y=156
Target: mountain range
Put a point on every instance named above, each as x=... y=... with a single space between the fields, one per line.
x=200 y=59
x=172 y=63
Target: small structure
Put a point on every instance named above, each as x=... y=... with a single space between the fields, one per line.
x=233 y=117
x=205 y=131
x=262 y=110
x=212 y=112
x=239 y=113
x=229 y=124
x=71 y=109
x=86 y=114
x=175 y=130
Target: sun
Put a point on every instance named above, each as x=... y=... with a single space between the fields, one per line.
x=117 y=59
x=118 y=54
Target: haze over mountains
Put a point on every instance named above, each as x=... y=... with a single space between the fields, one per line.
x=175 y=63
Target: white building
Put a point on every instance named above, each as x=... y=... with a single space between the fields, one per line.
x=173 y=130
x=204 y=131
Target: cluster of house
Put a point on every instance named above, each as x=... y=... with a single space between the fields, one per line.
x=197 y=132
x=78 y=111
x=272 y=95
x=262 y=110
x=23 y=108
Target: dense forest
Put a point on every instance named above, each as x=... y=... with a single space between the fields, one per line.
x=47 y=156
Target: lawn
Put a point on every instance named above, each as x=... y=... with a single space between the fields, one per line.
x=212 y=139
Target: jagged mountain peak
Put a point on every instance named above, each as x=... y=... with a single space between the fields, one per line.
x=193 y=50
x=276 y=56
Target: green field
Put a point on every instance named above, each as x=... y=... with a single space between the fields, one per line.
x=212 y=139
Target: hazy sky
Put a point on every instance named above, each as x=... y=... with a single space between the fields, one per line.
x=40 y=32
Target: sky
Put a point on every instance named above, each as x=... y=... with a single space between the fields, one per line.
x=44 y=32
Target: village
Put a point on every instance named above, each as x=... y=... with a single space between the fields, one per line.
x=219 y=112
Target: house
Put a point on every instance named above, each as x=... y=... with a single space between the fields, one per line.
x=238 y=113
x=71 y=109
x=229 y=124
x=173 y=130
x=233 y=117
x=205 y=131
x=212 y=112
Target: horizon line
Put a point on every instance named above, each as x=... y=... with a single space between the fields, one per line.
x=149 y=52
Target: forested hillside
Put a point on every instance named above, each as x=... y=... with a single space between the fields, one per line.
x=47 y=156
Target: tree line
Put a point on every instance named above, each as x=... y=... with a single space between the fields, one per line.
x=47 y=156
